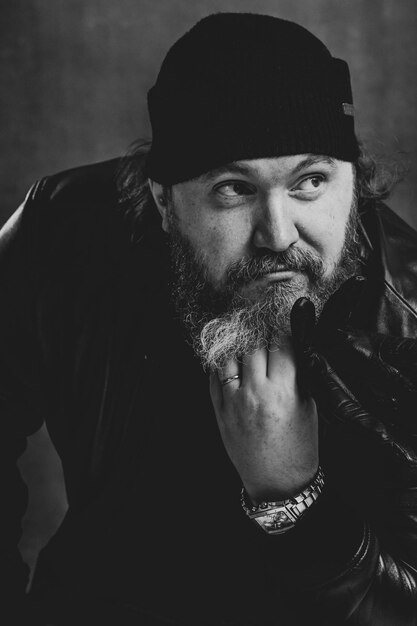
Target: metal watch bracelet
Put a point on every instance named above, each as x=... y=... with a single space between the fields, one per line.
x=279 y=517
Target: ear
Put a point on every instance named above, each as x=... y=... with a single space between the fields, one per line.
x=161 y=202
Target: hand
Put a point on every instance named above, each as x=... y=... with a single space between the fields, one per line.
x=380 y=370
x=311 y=335
x=269 y=430
x=355 y=376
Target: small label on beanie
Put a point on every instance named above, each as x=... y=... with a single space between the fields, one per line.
x=348 y=109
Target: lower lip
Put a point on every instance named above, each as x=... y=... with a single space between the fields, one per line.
x=278 y=276
x=262 y=283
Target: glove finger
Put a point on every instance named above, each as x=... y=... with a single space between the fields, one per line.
x=303 y=323
x=336 y=403
x=338 y=309
x=389 y=367
x=398 y=352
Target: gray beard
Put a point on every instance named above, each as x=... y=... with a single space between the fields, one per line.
x=222 y=324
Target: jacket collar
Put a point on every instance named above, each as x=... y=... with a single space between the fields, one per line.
x=390 y=245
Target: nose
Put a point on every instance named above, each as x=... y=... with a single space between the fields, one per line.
x=275 y=226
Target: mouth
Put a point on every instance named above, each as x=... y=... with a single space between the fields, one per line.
x=260 y=284
x=277 y=276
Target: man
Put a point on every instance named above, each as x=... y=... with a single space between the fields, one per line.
x=237 y=230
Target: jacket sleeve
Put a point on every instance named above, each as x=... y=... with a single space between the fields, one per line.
x=21 y=405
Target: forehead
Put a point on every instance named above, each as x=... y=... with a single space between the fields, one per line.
x=273 y=166
x=275 y=169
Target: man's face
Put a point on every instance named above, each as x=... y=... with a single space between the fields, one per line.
x=258 y=234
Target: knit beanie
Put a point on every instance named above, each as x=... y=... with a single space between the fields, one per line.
x=245 y=86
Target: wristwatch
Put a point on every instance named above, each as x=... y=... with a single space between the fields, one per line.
x=278 y=517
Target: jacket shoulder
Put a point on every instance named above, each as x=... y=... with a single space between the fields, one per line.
x=75 y=213
x=86 y=185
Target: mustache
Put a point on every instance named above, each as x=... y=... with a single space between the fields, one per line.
x=246 y=270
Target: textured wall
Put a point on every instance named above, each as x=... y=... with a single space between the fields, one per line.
x=74 y=74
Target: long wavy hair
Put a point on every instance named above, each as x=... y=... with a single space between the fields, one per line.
x=375 y=180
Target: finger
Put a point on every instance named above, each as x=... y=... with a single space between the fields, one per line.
x=336 y=403
x=229 y=368
x=350 y=413
x=389 y=392
x=303 y=322
x=281 y=362
x=340 y=404
x=228 y=376
x=338 y=309
x=254 y=366
x=386 y=358
x=388 y=362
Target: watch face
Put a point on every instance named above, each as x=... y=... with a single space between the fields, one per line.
x=274 y=521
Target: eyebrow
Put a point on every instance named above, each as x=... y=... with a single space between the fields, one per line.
x=236 y=167
x=313 y=159
x=229 y=168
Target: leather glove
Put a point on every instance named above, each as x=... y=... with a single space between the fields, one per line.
x=360 y=380
x=379 y=370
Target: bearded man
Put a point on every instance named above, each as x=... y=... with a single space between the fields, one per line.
x=251 y=235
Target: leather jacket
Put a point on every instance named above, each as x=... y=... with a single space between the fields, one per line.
x=90 y=344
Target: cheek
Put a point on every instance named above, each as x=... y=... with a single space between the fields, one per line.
x=222 y=244
x=336 y=234
x=220 y=238
x=326 y=229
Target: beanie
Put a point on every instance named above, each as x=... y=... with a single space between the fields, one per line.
x=243 y=86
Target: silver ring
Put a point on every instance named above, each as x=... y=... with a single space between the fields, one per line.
x=226 y=381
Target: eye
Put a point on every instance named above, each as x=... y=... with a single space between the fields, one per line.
x=310 y=184
x=234 y=189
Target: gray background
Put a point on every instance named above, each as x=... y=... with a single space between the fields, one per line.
x=74 y=74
